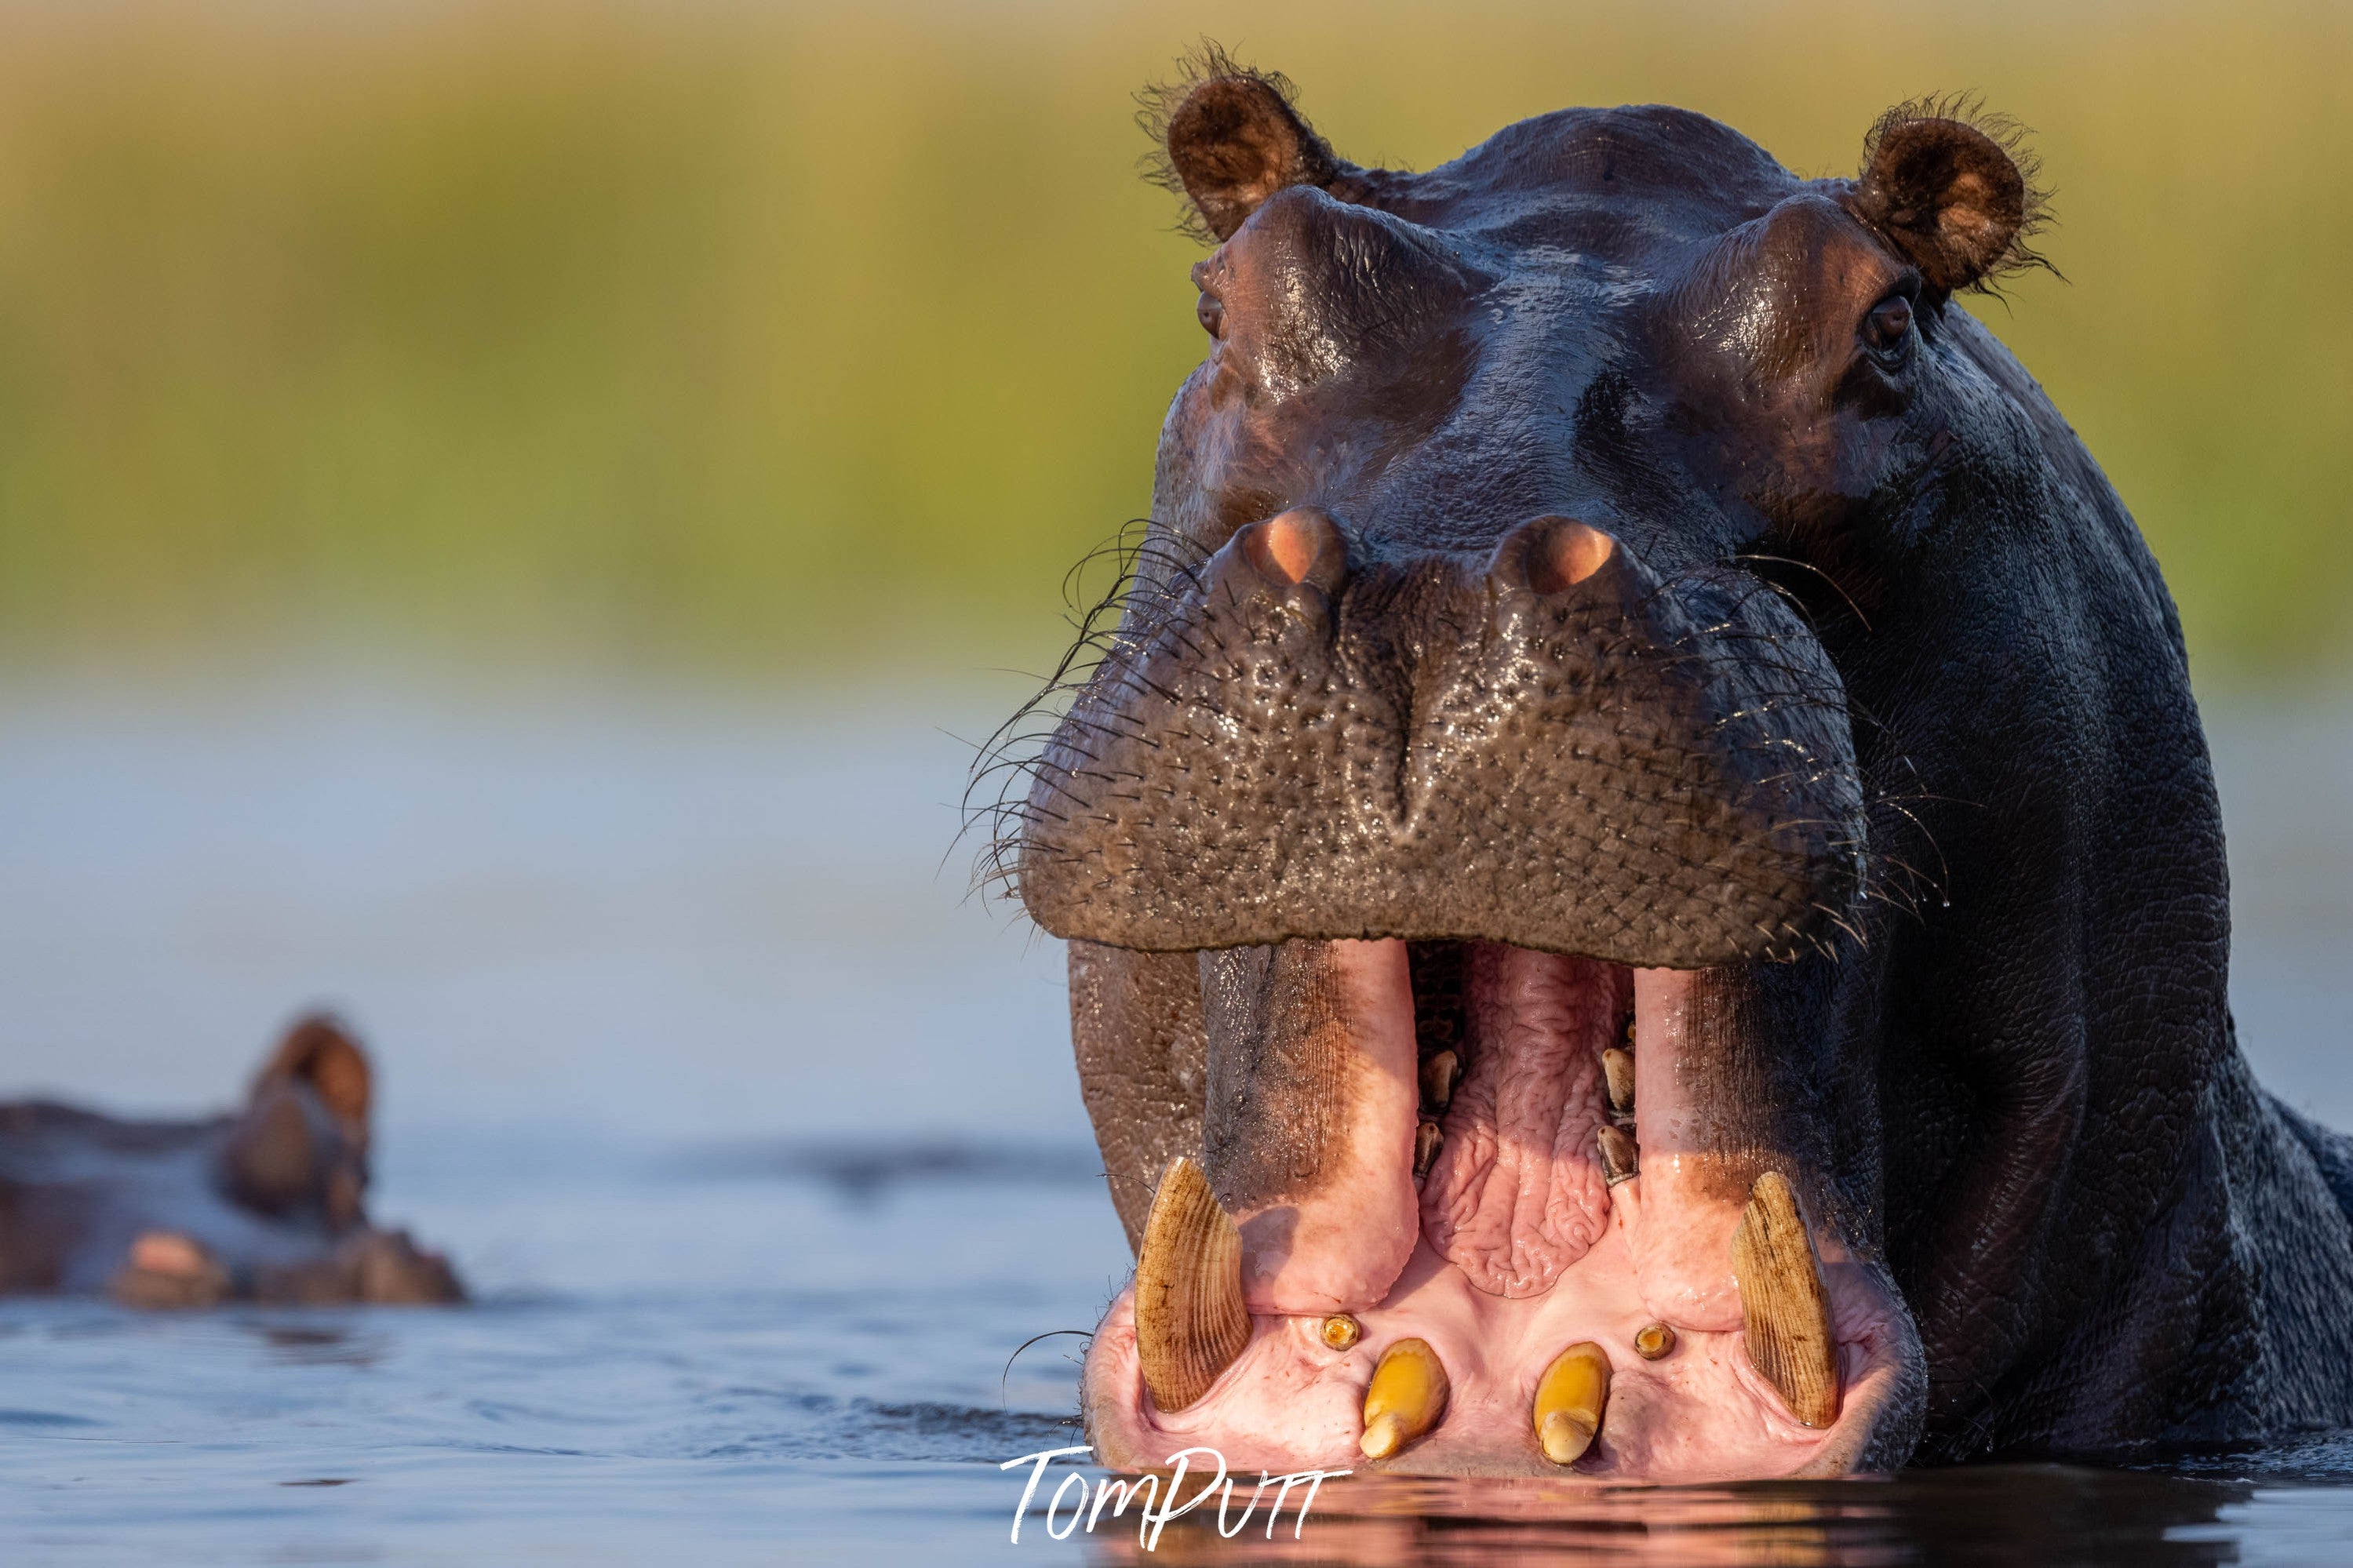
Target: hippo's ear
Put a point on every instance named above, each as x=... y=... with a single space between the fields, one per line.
x=1232 y=137
x=318 y=1050
x=1953 y=190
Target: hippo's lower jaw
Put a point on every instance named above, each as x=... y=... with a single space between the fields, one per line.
x=1541 y=1200
x=1702 y=1413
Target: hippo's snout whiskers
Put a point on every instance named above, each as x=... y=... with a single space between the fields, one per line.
x=1000 y=794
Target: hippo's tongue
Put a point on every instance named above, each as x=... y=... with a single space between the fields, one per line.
x=1311 y=1115
x=1516 y=1193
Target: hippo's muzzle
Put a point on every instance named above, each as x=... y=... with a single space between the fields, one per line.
x=1550 y=746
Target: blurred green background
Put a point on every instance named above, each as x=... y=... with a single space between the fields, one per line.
x=772 y=341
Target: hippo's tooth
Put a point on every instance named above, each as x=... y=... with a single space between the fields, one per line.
x=1190 y=1322
x=1405 y=1399
x=1340 y=1331
x=1426 y=1141
x=1571 y=1400
x=1618 y=1071
x=1654 y=1341
x=1785 y=1316
x=1620 y=1159
x=1439 y=1071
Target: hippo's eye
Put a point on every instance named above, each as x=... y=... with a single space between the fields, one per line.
x=1212 y=314
x=1887 y=331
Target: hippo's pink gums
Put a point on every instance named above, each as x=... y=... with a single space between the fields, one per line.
x=1525 y=1249
x=1644 y=889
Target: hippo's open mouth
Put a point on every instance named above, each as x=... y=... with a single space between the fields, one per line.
x=1514 y=1257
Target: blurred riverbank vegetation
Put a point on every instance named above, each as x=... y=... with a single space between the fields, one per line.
x=781 y=340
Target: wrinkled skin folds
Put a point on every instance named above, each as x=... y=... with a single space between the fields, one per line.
x=1644 y=891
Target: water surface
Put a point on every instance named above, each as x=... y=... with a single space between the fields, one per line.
x=760 y=1146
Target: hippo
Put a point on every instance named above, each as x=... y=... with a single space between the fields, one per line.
x=1643 y=888
x=266 y=1204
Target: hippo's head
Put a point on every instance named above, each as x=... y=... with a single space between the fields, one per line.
x=267 y=1203
x=1503 y=841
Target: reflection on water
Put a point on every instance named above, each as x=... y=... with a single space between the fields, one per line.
x=761 y=1150
x=316 y=1344
x=874 y=1164
x=2040 y=1514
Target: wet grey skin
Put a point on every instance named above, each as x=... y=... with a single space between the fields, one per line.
x=266 y=1204
x=1610 y=544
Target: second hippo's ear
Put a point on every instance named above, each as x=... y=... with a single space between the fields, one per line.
x=319 y=1052
x=1953 y=190
x=1233 y=137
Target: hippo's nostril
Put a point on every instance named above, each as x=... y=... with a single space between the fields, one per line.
x=1551 y=553
x=168 y=1268
x=1302 y=545
x=167 y=1252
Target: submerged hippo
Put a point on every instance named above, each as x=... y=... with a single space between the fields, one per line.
x=1644 y=889
x=266 y=1204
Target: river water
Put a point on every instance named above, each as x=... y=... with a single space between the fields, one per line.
x=758 y=1143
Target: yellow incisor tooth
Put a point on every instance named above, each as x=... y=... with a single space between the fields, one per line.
x=1785 y=1317
x=1571 y=1400
x=1405 y=1399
